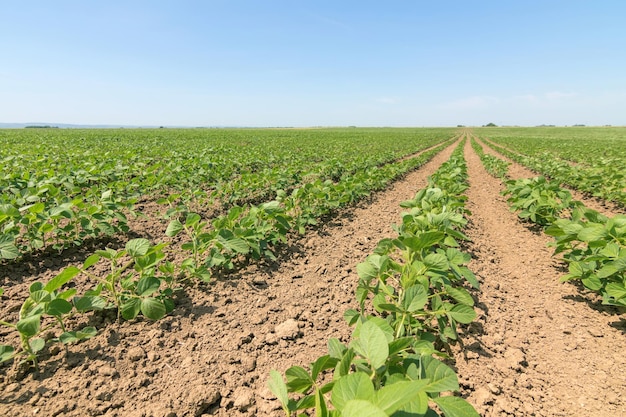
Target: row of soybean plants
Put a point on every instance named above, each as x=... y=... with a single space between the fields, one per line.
x=593 y=245
x=592 y=166
x=60 y=188
x=412 y=295
x=143 y=281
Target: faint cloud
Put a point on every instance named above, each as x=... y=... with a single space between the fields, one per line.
x=471 y=103
x=557 y=95
x=387 y=100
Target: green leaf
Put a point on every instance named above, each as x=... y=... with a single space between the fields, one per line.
x=462 y=313
x=37 y=345
x=335 y=348
x=8 y=250
x=58 y=307
x=436 y=261
x=61 y=279
x=321 y=364
x=86 y=333
x=372 y=344
x=131 y=308
x=173 y=228
x=89 y=303
x=442 y=377
x=455 y=407
x=153 y=309
x=592 y=233
x=192 y=218
x=616 y=290
x=29 y=326
x=147 y=286
x=91 y=260
x=391 y=398
x=321 y=410
x=278 y=387
x=137 y=247
x=6 y=353
x=356 y=386
x=415 y=298
x=298 y=379
x=362 y=408
x=460 y=294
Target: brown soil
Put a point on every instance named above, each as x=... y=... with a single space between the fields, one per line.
x=538 y=348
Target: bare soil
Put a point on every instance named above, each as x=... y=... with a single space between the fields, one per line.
x=539 y=347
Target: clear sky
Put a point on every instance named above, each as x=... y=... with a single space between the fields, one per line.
x=312 y=63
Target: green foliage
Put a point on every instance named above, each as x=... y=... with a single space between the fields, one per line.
x=538 y=200
x=594 y=246
x=45 y=308
x=415 y=285
x=138 y=282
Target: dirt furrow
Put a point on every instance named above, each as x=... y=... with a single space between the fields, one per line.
x=538 y=347
x=213 y=354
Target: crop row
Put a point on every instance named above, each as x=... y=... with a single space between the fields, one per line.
x=412 y=296
x=60 y=197
x=143 y=281
x=605 y=178
x=593 y=245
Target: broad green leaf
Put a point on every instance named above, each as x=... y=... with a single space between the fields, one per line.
x=592 y=282
x=191 y=219
x=6 y=353
x=415 y=298
x=455 y=407
x=372 y=344
x=298 y=379
x=612 y=268
x=68 y=337
x=8 y=250
x=437 y=261
x=91 y=260
x=58 y=307
x=391 y=398
x=29 y=326
x=147 y=286
x=86 y=333
x=362 y=408
x=460 y=294
x=278 y=387
x=61 y=279
x=173 y=228
x=89 y=303
x=356 y=386
x=592 y=232
x=137 y=247
x=130 y=309
x=616 y=290
x=37 y=345
x=321 y=364
x=442 y=377
x=335 y=348
x=153 y=309
x=462 y=313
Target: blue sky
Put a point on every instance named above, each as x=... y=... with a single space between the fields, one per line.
x=312 y=63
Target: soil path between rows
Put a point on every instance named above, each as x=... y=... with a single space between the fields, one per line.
x=213 y=355
x=538 y=348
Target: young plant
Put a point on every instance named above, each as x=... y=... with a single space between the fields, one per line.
x=45 y=308
x=133 y=284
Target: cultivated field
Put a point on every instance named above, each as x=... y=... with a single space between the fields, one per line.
x=348 y=272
